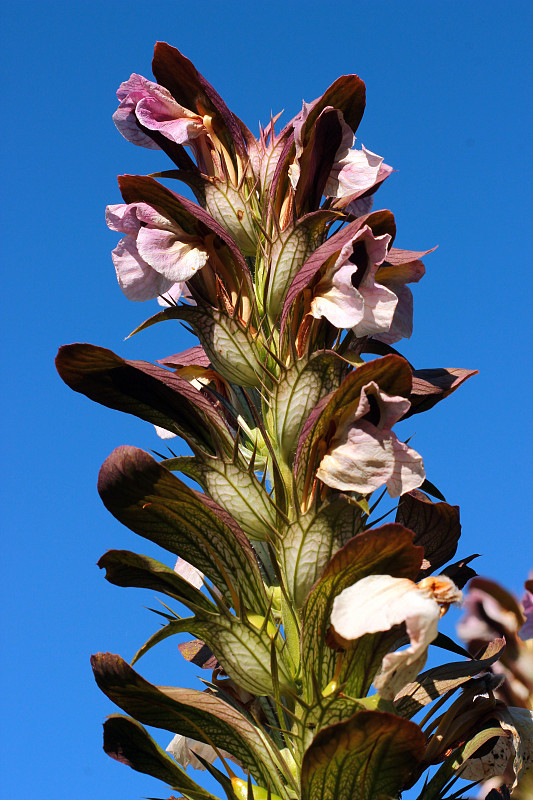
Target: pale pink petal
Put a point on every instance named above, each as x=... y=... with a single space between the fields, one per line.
x=136 y=278
x=185 y=751
x=366 y=309
x=354 y=175
x=360 y=206
x=401 y=326
x=485 y=617
x=164 y=114
x=391 y=407
x=338 y=301
x=408 y=473
x=189 y=573
x=377 y=603
x=129 y=93
x=176 y=292
x=361 y=462
x=379 y=308
x=153 y=218
x=123 y=218
x=167 y=253
x=363 y=456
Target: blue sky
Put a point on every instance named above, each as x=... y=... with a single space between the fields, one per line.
x=448 y=105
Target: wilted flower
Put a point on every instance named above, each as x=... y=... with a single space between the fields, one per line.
x=511 y=757
x=377 y=603
x=155 y=254
x=365 y=454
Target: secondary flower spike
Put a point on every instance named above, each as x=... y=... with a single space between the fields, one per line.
x=365 y=454
x=377 y=603
x=155 y=254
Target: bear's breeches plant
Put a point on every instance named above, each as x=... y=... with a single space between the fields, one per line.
x=311 y=614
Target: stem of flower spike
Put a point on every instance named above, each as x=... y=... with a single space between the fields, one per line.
x=240 y=788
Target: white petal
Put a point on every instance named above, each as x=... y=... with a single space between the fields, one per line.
x=377 y=603
x=408 y=473
x=163 y=433
x=185 y=749
x=380 y=305
x=169 y=255
x=354 y=174
x=338 y=301
x=176 y=291
x=136 y=278
x=362 y=462
x=189 y=573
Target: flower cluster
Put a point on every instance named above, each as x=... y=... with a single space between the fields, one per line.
x=301 y=602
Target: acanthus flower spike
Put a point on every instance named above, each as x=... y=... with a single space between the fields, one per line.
x=296 y=601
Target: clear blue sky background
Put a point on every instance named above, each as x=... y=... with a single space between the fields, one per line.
x=449 y=106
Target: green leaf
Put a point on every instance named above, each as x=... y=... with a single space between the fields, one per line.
x=228 y=207
x=325 y=712
x=223 y=202
x=310 y=541
x=288 y=252
x=366 y=757
x=433 y=683
x=385 y=550
x=127 y=741
x=154 y=503
x=235 y=489
x=241 y=649
x=124 y=568
x=233 y=350
x=200 y=715
x=298 y=392
x=144 y=390
x=393 y=376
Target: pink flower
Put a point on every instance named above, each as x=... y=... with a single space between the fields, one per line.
x=365 y=454
x=348 y=295
x=377 y=603
x=155 y=254
x=354 y=172
x=145 y=103
x=395 y=274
